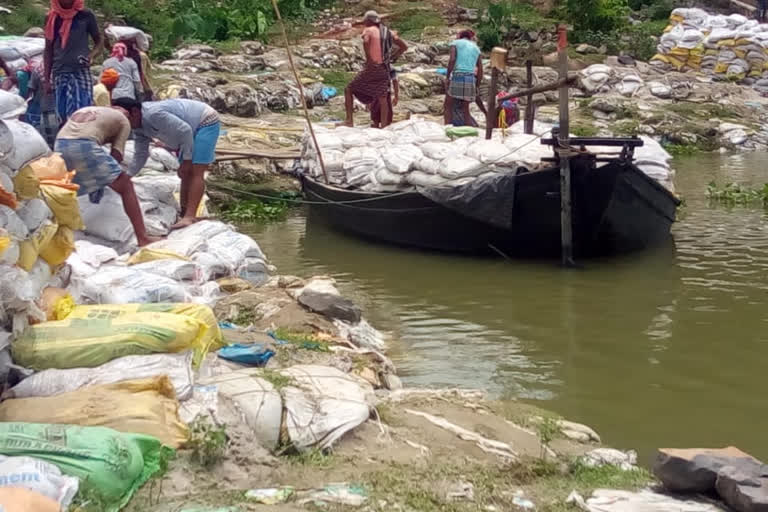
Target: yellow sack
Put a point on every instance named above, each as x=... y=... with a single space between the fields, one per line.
x=49 y=167
x=63 y=203
x=676 y=62
x=726 y=42
x=721 y=67
x=740 y=53
x=29 y=249
x=5 y=243
x=59 y=247
x=88 y=342
x=56 y=303
x=25 y=184
x=146 y=406
x=211 y=340
x=146 y=254
x=679 y=52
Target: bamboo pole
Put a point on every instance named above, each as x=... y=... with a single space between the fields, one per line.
x=529 y=112
x=541 y=88
x=301 y=90
x=491 y=112
x=566 y=206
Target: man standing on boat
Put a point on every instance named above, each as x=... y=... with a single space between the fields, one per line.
x=190 y=127
x=372 y=84
x=465 y=72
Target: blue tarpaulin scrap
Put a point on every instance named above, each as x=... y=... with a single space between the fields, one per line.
x=329 y=92
x=252 y=354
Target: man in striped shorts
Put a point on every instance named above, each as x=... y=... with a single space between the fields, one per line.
x=465 y=70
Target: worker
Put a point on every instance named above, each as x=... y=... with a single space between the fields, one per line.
x=80 y=143
x=393 y=100
x=10 y=80
x=128 y=82
x=68 y=27
x=465 y=72
x=762 y=10
x=41 y=108
x=373 y=82
x=190 y=127
x=102 y=92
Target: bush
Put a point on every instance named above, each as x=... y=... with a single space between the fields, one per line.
x=505 y=17
x=22 y=17
x=590 y=17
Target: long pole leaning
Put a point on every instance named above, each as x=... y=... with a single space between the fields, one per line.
x=566 y=204
x=301 y=90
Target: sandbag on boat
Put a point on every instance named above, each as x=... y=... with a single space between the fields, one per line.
x=178 y=367
x=110 y=465
x=88 y=342
x=146 y=406
x=40 y=477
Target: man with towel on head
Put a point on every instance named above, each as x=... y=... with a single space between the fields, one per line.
x=67 y=57
x=372 y=84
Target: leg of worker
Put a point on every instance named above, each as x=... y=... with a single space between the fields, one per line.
x=349 y=105
x=183 y=192
x=386 y=108
x=465 y=111
x=448 y=107
x=124 y=186
x=195 y=186
x=193 y=183
x=481 y=105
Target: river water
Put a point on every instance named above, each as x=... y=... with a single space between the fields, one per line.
x=664 y=348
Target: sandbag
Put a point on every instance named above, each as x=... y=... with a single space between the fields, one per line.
x=176 y=269
x=178 y=368
x=257 y=400
x=149 y=254
x=64 y=205
x=59 y=247
x=211 y=339
x=146 y=406
x=39 y=477
x=124 y=285
x=399 y=159
x=17 y=499
x=28 y=145
x=33 y=212
x=11 y=105
x=232 y=248
x=89 y=342
x=460 y=167
x=117 y=33
x=56 y=303
x=109 y=464
x=25 y=184
x=254 y=270
x=52 y=167
x=322 y=404
x=94 y=254
x=30 y=248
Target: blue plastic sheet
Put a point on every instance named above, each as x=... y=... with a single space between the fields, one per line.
x=329 y=92
x=251 y=354
x=441 y=71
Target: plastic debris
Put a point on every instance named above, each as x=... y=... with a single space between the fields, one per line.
x=343 y=494
x=253 y=354
x=271 y=496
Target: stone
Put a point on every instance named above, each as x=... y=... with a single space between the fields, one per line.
x=550 y=59
x=233 y=285
x=606 y=105
x=252 y=47
x=468 y=14
x=742 y=491
x=574 y=430
x=586 y=49
x=696 y=470
x=35 y=32
x=626 y=60
x=626 y=461
x=331 y=306
x=238 y=64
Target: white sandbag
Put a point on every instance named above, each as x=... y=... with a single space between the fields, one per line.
x=257 y=400
x=124 y=285
x=10 y=256
x=162 y=155
x=322 y=404
x=33 y=212
x=610 y=500
x=116 y=33
x=158 y=189
x=178 y=367
x=205 y=229
x=361 y=334
x=629 y=85
x=385 y=177
x=6 y=182
x=491 y=152
x=94 y=254
x=333 y=160
x=351 y=137
x=400 y=158
x=11 y=105
x=460 y=167
x=211 y=266
x=38 y=476
x=11 y=222
x=422 y=179
x=651 y=150
x=440 y=150
x=158 y=220
x=178 y=270
x=28 y=47
x=28 y=145
x=426 y=165
x=329 y=141
x=232 y=248
x=107 y=219
x=254 y=270
x=429 y=131
x=377 y=137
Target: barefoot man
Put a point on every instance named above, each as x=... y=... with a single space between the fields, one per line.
x=372 y=83
x=187 y=126
x=80 y=143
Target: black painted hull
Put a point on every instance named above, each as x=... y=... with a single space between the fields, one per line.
x=616 y=209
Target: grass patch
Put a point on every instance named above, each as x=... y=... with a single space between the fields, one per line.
x=244 y=318
x=249 y=211
x=207 y=441
x=733 y=194
x=410 y=23
x=24 y=15
x=584 y=130
x=228 y=46
x=303 y=340
x=336 y=78
x=313 y=458
x=278 y=380
x=681 y=150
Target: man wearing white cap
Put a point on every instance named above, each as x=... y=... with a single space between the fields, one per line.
x=373 y=82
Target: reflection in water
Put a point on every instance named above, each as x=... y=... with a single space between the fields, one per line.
x=661 y=348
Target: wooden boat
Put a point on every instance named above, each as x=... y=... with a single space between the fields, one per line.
x=616 y=208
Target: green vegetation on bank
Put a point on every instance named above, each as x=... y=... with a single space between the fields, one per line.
x=733 y=194
x=249 y=211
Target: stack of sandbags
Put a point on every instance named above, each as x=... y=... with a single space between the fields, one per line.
x=117 y=33
x=17 y=52
x=595 y=77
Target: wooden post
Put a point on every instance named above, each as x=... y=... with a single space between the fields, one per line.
x=498 y=63
x=529 y=110
x=566 y=206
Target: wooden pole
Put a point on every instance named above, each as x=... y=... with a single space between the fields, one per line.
x=541 y=88
x=491 y=114
x=566 y=206
x=301 y=90
x=529 y=112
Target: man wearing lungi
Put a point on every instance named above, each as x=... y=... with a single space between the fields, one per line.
x=465 y=71
x=67 y=57
x=372 y=83
x=80 y=143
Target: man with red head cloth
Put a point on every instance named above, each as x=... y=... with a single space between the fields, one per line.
x=68 y=28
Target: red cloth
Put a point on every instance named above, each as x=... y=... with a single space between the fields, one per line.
x=119 y=51
x=66 y=15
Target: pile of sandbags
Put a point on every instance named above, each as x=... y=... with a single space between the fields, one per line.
x=119 y=33
x=732 y=47
x=17 y=51
x=417 y=153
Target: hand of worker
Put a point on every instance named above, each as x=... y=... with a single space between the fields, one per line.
x=395 y=100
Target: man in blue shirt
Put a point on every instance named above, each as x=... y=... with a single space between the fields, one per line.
x=465 y=71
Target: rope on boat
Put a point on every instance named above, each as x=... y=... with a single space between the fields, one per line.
x=301 y=90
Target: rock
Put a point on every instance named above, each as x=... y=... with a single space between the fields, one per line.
x=238 y=64
x=586 y=49
x=742 y=491
x=626 y=60
x=696 y=470
x=392 y=382
x=35 y=32
x=187 y=65
x=737 y=137
x=577 y=431
x=468 y=14
x=604 y=104
x=331 y=306
x=532 y=35
x=610 y=457
x=195 y=51
x=550 y=59
x=660 y=90
x=548 y=47
x=252 y=47
x=724 y=128
x=233 y=285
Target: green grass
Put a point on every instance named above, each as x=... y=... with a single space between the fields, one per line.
x=336 y=78
x=278 y=380
x=678 y=150
x=303 y=340
x=584 y=130
x=734 y=194
x=410 y=23
x=24 y=15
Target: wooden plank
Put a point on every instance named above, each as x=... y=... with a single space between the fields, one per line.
x=288 y=154
x=492 y=115
x=566 y=206
x=529 y=111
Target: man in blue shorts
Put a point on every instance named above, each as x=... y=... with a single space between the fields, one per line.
x=190 y=127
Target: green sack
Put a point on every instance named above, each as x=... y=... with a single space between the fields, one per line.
x=109 y=464
x=455 y=132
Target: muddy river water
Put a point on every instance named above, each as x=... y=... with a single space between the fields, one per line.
x=664 y=348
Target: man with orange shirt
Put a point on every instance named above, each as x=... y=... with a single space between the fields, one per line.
x=372 y=83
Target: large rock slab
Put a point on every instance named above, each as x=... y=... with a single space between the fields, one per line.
x=696 y=470
x=331 y=306
x=742 y=491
